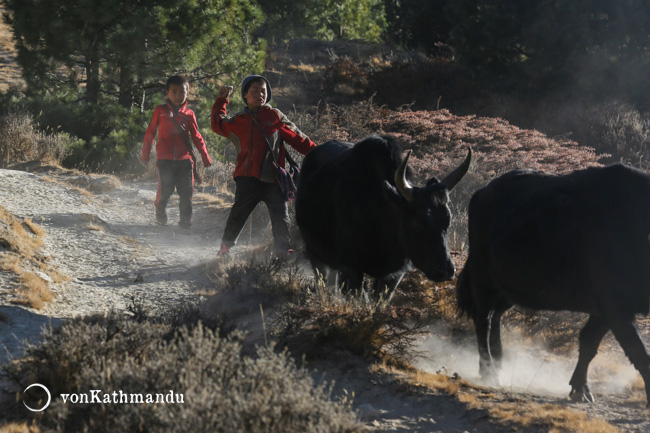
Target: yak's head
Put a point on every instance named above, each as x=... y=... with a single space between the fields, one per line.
x=424 y=219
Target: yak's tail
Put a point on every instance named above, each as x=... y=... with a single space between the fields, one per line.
x=464 y=296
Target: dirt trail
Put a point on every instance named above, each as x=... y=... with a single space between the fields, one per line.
x=109 y=246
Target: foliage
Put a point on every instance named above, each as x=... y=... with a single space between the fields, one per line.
x=426 y=83
x=223 y=390
x=324 y=19
x=423 y=25
x=538 y=46
x=118 y=51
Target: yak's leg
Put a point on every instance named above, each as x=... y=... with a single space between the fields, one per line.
x=384 y=288
x=483 y=323
x=494 y=336
x=486 y=370
x=350 y=281
x=590 y=337
x=488 y=335
x=627 y=335
x=321 y=270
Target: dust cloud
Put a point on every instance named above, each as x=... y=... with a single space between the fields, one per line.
x=528 y=366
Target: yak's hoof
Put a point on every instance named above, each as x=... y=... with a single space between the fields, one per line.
x=490 y=377
x=582 y=395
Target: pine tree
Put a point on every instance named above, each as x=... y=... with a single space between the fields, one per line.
x=120 y=49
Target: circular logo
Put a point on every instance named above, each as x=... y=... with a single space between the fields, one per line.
x=49 y=397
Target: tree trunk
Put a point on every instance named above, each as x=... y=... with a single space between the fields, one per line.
x=127 y=88
x=92 y=78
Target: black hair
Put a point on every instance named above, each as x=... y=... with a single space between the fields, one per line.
x=177 y=80
x=248 y=85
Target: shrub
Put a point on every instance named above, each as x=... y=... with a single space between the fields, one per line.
x=346 y=77
x=308 y=317
x=222 y=390
x=324 y=322
x=613 y=128
x=332 y=122
x=21 y=140
x=425 y=84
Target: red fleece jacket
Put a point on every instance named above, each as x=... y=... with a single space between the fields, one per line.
x=170 y=143
x=253 y=157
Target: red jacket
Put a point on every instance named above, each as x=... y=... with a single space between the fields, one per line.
x=253 y=158
x=170 y=143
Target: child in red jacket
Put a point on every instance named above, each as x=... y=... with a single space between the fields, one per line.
x=172 y=120
x=257 y=131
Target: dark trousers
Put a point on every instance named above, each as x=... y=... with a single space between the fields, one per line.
x=248 y=193
x=176 y=175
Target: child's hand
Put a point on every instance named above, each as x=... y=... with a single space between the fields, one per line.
x=224 y=91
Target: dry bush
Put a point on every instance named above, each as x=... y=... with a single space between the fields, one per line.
x=440 y=141
x=445 y=84
x=613 y=128
x=324 y=322
x=272 y=275
x=223 y=391
x=346 y=77
x=308 y=317
x=219 y=175
x=436 y=300
x=21 y=140
x=332 y=122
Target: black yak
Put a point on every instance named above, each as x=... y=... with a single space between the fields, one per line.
x=358 y=214
x=576 y=242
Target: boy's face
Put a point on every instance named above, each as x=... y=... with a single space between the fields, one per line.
x=177 y=94
x=256 y=94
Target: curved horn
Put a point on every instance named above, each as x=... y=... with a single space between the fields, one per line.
x=403 y=185
x=455 y=176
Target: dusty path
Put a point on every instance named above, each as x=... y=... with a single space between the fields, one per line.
x=109 y=246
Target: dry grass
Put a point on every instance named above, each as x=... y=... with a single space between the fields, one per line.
x=33 y=291
x=301 y=67
x=210 y=201
x=517 y=414
x=11 y=263
x=528 y=414
x=21 y=240
x=22 y=427
x=14 y=236
x=79 y=189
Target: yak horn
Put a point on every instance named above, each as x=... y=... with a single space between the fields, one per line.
x=403 y=186
x=455 y=176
